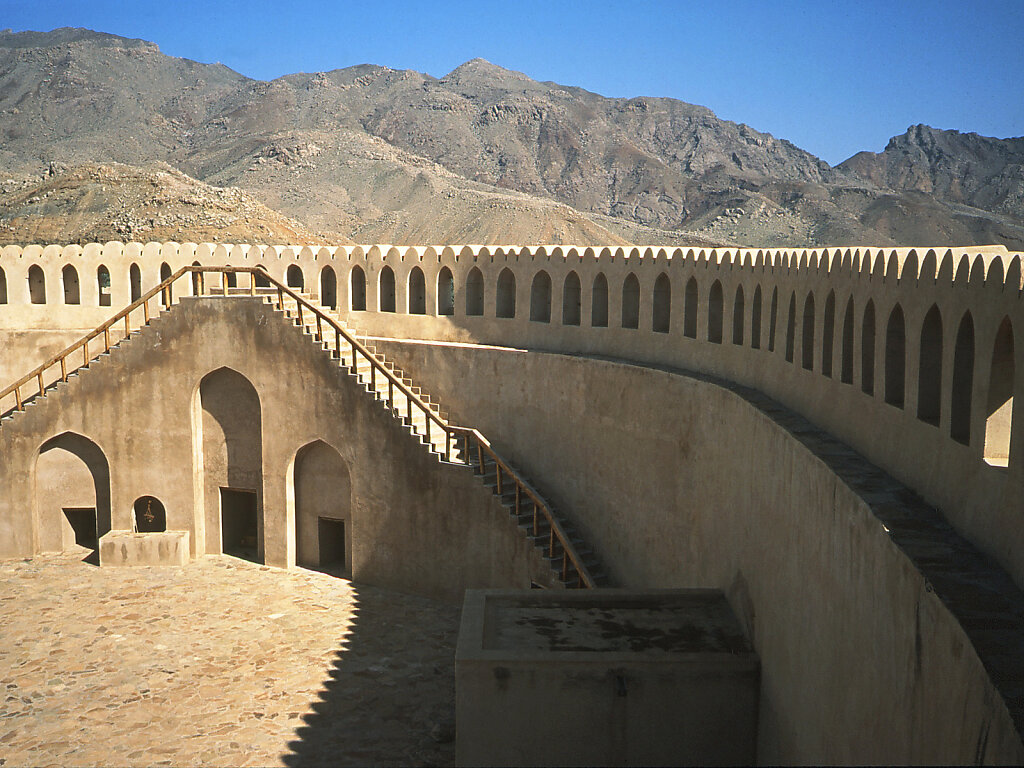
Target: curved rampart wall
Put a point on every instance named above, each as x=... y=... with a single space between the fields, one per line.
x=907 y=355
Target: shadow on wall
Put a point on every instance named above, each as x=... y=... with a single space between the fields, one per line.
x=390 y=695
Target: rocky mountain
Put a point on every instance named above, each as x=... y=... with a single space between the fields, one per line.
x=953 y=167
x=482 y=154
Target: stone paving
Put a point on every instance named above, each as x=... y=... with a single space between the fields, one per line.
x=221 y=663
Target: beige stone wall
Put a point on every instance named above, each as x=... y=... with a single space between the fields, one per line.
x=861 y=660
x=416 y=524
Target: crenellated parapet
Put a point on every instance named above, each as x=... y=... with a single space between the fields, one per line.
x=906 y=354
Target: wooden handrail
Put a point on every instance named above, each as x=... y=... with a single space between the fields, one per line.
x=451 y=432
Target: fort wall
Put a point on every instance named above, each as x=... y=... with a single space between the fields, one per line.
x=861 y=660
x=907 y=355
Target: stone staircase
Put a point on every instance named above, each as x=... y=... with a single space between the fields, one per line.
x=574 y=564
x=512 y=497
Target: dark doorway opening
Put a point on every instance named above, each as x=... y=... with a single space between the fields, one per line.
x=331 y=534
x=239 y=529
x=83 y=522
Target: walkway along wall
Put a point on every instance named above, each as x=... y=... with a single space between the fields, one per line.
x=416 y=523
x=680 y=481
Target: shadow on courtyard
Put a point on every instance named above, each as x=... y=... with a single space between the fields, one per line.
x=389 y=698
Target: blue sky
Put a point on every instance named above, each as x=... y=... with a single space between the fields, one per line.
x=832 y=77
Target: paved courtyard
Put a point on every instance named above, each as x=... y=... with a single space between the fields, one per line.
x=223 y=662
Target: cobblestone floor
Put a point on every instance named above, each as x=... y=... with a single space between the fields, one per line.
x=221 y=663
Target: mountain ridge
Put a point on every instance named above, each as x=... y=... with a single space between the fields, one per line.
x=306 y=144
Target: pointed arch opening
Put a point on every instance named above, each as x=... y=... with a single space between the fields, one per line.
x=328 y=288
x=386 y=290
x=322 y=493
x=791 y=329
x=599 y=302
x=631 y=302
x=690 y=308
x=135 y=282
x=475 y=293
x=738 y=317
x=963 y=381
x=807 y=331
x=715 y=312
x=999 y=401
x=295 y=278
x=36 y=285
x=103 y=285
x=445 y=292
x=72 y=495
x=166 y=298
x=540 y=298
x=417 y=292
x=828 y=334
x=229 y=437
x=572 y=300
x=197 y=279
x=72 y=289
x=929 y=370
x=773 y=317
x=755 y=319
x=867 y=350
x=846 y=363
x=505 y=300
x=662 y=310
x=3 y=286
x=895 y=358
x=357 y=289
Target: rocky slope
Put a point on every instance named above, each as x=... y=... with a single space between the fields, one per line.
x=481 y=154
x=97 y=203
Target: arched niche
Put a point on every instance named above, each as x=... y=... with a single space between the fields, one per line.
x=540 y=298
x=475 y=293
x=738 y=316
x=328 y=287
x=149 y=515
x=506 y=294
x=716 y=312
x=690 y=305
x=661 y=319
x=135 y=282
x=755 y=318
x=445 y=292
x=929 y=369
x=896 y=358
x=631 y=302
x=322 y=492
x=599 y=302
x=36 y=285
x=867 y=350
x=103 y=285
x=846 y=353
x=386 y=290
x=357 y=289
x=807 y=330
x=417 y=292
x=229 y=444
x=999 y=400
x=295 y=278
x=572 y=299
x=72 y=289
x=828 y=334
x=963 y=381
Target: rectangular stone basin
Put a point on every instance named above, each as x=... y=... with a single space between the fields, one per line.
x=604 y=677
x=130 y=548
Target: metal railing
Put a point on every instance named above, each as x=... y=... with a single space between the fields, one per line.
x=327 y=330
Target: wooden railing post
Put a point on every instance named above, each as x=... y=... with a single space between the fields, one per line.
x=63 y=369
x=39 y=378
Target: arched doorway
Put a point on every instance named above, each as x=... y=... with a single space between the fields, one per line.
x=72 y=481
x=322 y=493
x=229 y=441
x=328 y=288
